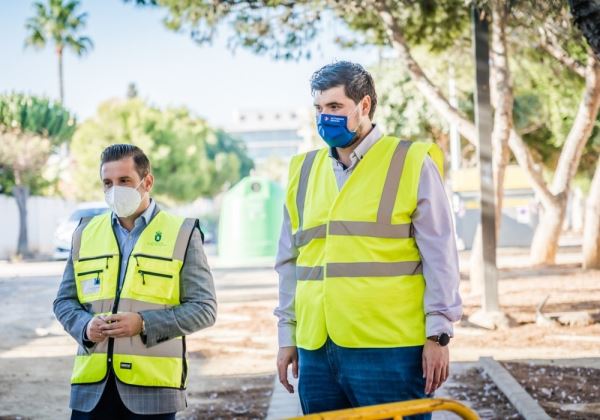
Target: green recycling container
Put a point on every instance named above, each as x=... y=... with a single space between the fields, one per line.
x=250 y=221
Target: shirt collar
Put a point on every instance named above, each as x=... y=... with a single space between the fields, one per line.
x=146 y=216
x=363 y=147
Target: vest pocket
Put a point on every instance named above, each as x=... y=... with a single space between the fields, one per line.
x=89 y=283
x=154 y=277
x=153 y=283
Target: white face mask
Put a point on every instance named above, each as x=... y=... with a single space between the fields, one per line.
x=123 y=201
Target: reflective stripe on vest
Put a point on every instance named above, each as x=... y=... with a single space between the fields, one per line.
x=151 y=282
x=359 y=270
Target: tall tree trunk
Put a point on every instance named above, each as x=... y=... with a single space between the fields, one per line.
x=547 y=234
x=21 y=194
x=467 y=129
x=502 y=101
x=591 y=231
x=61 y=88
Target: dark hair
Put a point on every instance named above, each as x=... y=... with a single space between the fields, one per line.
x=122 y=151
x=357 y=82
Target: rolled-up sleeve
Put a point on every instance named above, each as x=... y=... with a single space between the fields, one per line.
x=434 y=233
x=285 y=265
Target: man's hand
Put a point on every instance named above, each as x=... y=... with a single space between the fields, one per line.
x=286 y=356
x=436 y=361
x=93 y=330
x=124 y=324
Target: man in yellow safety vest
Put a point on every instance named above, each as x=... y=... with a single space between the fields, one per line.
x=367 y=262
x=136 y=283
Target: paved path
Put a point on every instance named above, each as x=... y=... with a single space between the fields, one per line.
x=284 y=405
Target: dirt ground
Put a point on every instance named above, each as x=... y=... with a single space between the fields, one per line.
x=248 y=329
x=485 y=398
x=233 y=398
x=232 y=364
x=520 y=291
x=563 y=392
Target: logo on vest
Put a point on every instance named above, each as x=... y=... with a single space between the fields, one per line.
x=158 y=236
x=125 y=365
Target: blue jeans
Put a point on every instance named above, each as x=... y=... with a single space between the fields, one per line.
x=334 y=377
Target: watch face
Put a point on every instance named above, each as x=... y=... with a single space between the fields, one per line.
x=443 y=339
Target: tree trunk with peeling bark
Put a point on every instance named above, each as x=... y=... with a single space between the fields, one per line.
x=591 y=232
x=545 y=240
x=544 y=251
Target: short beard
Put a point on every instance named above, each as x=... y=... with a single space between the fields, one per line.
x=355 y=139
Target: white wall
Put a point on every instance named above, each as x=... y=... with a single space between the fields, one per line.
x=43 y=216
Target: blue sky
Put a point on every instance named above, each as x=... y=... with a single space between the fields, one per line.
x=132 y=45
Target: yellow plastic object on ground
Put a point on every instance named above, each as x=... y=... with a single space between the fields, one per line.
x=397 y=410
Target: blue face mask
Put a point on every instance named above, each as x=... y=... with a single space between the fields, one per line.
x=334 y=130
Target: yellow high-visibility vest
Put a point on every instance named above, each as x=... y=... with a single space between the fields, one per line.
x=151 y=282
x=359 y=272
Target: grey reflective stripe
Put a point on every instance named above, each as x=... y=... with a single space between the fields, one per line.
x=303 y=237
x=348 y=228
x=76 y=246
x=374 y=269
x=392 y=182
x=100 y=306
x=309 y=273
x=183 y=238
x=132 y=305
x=98 y=348
x=307 y=165
x=135 y=346
x=383 y=227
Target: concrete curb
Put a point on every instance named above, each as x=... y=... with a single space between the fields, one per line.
x=519 y=398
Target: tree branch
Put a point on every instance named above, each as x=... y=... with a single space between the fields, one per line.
x=560 y=55
x=420 y=79
x=581 y=129
x=531 y=168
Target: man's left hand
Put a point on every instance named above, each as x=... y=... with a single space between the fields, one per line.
x=436 y=361
x=124 y=324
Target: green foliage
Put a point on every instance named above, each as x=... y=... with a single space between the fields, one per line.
x=546 y=92
x=286 y=29
x=31 y=128
x=58 y=22
x=189 y=159
x=35 y=115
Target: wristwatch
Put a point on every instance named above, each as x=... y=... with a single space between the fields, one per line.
x=143 y=331
x=443 y=339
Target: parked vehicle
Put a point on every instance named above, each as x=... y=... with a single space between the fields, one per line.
x=64 y=231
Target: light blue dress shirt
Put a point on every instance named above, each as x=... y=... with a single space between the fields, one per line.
x=127 y=239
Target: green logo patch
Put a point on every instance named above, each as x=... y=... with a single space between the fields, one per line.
x=158 y=236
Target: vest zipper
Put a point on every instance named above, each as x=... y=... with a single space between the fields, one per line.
x=184 y=367
x=90 y=272
x=107 y=256
x=152 y=257
x=144 y=272
x=111 y=340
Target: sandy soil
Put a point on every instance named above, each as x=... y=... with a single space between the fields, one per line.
x=238 y=353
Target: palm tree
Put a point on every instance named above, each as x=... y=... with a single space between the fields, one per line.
x=58 y=22
x=587 y=18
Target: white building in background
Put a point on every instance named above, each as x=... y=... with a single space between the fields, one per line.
x=274 y=134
